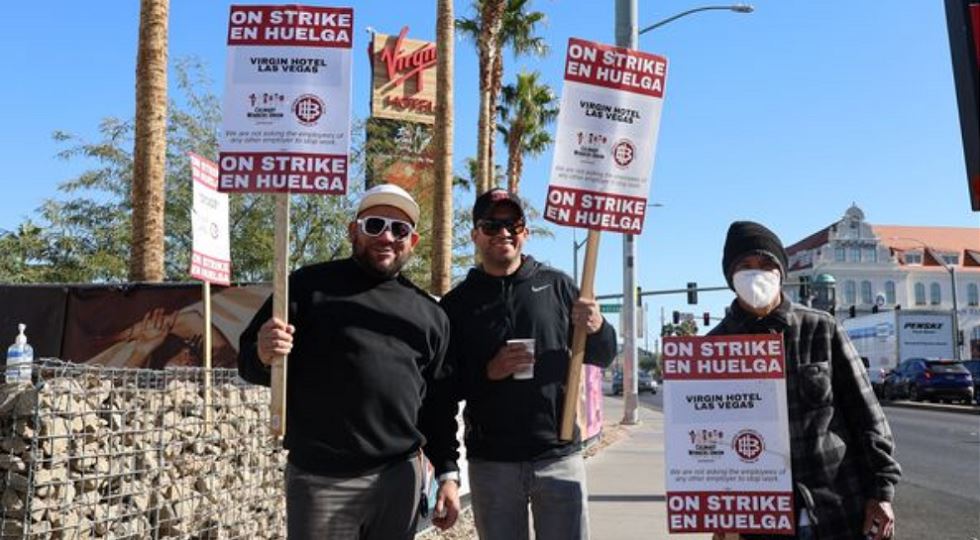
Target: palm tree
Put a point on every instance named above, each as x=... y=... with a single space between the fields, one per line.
x=442 y=198
x=501 y=23
x=527 y=110
x=485 y=31
x=150 y=146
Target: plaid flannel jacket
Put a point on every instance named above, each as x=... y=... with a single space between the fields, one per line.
x=839 y=438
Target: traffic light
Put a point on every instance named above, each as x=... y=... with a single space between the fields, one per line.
x=639 y=296
x=804 y=291
x=852 y=311
x=707 y=319
x=677 y=317
x=692 y=292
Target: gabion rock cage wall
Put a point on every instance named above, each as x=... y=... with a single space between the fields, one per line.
x=89 y=452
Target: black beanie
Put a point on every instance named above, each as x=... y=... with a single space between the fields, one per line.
x=749 y=238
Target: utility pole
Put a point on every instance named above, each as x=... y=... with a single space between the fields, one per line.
x=627 y=36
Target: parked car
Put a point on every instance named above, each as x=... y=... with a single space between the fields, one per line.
x=974 y=367
x=644 y=383
x=932 y=379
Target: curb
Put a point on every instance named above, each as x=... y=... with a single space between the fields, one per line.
x=961 y=409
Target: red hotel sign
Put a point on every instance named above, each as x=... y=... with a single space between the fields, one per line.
x=403 y=78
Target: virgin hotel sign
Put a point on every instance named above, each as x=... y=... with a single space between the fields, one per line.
x=403 y=78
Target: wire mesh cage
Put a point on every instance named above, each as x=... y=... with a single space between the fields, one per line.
x=93 y=452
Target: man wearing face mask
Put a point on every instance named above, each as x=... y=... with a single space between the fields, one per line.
x=364 y=345
x=844 y=470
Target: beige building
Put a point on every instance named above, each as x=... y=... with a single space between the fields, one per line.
x=885 y=267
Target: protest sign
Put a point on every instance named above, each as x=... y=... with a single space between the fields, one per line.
x=286 y=113
x=286 y=124
x=604 y=143
x=606 y=137
x=728 y=460
x=210 y=254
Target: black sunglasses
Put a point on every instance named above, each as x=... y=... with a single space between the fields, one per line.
x=376 y=226
x=491 y=227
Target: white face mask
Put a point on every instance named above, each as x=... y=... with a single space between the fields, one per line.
x=757 y=288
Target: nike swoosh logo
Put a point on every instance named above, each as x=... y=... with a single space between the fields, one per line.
x=539 y=289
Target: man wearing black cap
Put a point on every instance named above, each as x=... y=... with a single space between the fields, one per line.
x=514 y=397
x=364 y=344
x=843 y=468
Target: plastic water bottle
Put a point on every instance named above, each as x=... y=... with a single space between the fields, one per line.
x=20 y=358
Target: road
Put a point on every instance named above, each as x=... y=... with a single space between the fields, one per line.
x=939 y=495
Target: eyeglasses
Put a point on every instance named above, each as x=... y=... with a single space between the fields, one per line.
x=376 y=226
x=492 y=227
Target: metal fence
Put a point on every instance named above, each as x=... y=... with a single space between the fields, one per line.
x=89 y=452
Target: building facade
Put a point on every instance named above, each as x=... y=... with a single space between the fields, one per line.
x=886 y=267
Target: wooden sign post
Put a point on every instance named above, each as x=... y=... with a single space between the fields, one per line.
x=280 y=310
x=574 y=380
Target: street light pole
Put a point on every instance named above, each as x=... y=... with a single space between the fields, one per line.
x=576 y=245
x=737 y=8
x=956 y=314
x=627 y=36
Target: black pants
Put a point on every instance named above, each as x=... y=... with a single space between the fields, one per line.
x=381 y=505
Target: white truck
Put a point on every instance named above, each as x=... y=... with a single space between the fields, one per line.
x=885 y=339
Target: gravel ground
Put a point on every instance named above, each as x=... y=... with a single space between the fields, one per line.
x=465 y=529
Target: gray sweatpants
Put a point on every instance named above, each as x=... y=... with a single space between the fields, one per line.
x=554 y=488
x=382 y=505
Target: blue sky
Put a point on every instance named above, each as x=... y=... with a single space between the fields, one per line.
x=785 y=116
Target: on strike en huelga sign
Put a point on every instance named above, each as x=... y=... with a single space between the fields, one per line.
x=210 y=254
x=727 y=435
x=606 y=137
x=286 y=125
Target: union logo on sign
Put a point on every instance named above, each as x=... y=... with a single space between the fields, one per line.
x=749 y=445
x=624 y=151
x=308 y=109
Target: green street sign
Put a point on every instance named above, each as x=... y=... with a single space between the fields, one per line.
x=610 y=308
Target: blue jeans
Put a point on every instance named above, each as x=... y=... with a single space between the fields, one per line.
x=555 y=489
x=379 y=505
x=806 y=532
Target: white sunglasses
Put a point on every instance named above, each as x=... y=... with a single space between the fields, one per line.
x=376 y=226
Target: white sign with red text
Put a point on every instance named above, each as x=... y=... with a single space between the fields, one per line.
x=727 y=446
x=287 y=102
x=606 y=137
x=210 y=254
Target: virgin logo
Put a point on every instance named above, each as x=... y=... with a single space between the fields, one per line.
x=402 y=65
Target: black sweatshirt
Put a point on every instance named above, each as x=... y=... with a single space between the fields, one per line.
x=508 y=420
x=363 y=352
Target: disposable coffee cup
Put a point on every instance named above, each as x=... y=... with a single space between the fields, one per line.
x=528 y=344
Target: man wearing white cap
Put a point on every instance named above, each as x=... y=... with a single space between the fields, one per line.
x=363 y=343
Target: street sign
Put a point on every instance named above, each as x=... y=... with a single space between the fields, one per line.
x=610 y=308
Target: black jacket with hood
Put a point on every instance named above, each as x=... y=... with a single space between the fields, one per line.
x=842 y=447
x=508 y=420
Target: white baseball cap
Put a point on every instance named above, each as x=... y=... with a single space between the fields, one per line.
x=390 y=195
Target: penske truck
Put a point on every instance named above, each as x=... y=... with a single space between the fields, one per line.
x=885 y=339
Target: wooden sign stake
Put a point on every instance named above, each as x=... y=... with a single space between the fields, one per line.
x=280 y=310
x=574 y=381
x=207 y=354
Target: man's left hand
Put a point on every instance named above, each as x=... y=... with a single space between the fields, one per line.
x=585 y=314
x=878 y=515
x=447 y=505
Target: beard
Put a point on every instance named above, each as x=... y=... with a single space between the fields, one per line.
x=382 y=269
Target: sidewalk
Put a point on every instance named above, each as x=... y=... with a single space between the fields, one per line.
x=626 y=480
